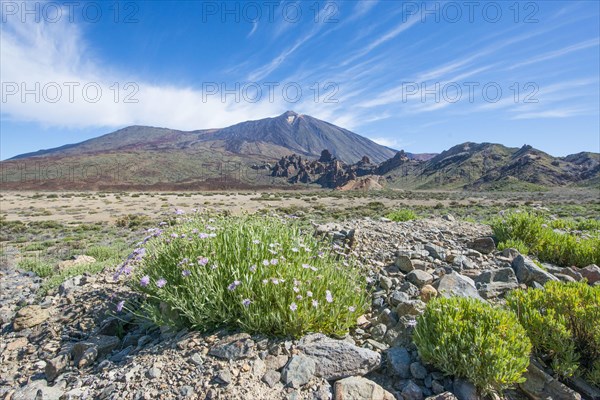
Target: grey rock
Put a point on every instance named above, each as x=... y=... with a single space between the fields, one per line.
x=463 y=262
x=442 y=396
x=570 y=271
x=437 y=388
x=417 y=370
x=412 y=391
x=276 y=362
x=186 y=391
x=337 y=359
x=404 y=263
x=69 y=285
x=102 y=344
x=465 y=390
x=419 y=278
x=398 y=362
x=410 y=308
x=504 y=275
x=539 y=385
x=38 y=390
x=196 y=359
x=435 y=251
x=510 y=253
x=484 y=245
x=591 y=273
x=234 y=347
x=224 y=377
x=359 y=388
x=385 y=282
x=56 y=366
x=88 y=357
x=378 y=331
x=154 y=372
x=397 y=297
x=271 y=378
x=455 y=284
x=298 y=371
x=527 y=272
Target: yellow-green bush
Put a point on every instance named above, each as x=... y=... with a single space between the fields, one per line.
x=563 y=322
x=471 y=339
x=402 y=215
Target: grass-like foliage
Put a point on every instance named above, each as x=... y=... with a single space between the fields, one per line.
x=262 y=274
x=563 y=322
x=537 y=234
x=402 y=215
x=471 y=339
x=516 y=244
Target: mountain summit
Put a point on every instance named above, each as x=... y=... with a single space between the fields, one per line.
x=269 y=138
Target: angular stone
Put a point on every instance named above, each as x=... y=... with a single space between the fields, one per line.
x=271 y=378
x=591 y=273
x=465 y=390
x=56 y=366
x=442 y=396
x=435 y=251
x=540 y=385
x=463 y=262
x=398 y=362
x=276 y=362
x=359 y=388
x=419 y=278
x=417 y=370
x=504 y=275
x=410 y=308
x=298 y=371
x=412 y=391
x=527 y=272
x=102 y=344
x=337 y=359
x=457 y=285
x=404 y=263
x=397 y=297
x=234 y=347
x=29 y=316
x=428 y=292
x=484 y=245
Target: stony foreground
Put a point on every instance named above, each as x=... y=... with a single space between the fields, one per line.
x=69 y=345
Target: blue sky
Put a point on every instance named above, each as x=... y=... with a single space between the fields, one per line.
x=419 y=76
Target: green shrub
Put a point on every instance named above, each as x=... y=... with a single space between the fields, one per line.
x=563 y=322
x=402 y=215
x=258 y=273
x=538 y=235
x=38 y=267
x=471 y=339
x=516 y=244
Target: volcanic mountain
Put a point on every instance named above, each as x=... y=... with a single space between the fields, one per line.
x=142 y=155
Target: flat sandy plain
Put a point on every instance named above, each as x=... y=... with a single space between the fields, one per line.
x=93 y=207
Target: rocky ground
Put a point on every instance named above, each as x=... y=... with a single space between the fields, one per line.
x=69 y=344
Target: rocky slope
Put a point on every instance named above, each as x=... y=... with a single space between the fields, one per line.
x=69 y=346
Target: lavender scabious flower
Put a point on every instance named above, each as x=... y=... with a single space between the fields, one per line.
x=179 y=212
x=234 y=285
x=328 y=296
x=253 y=268
x=265 y=262
x=293 y=307
x=351 y=308
x=145 y=281
x=274 y=261
x=202 y=261
x=161 y=282
x=203 y=235
x=315 y=303
x=246 y=302
x=120 y=305
x=186 y=272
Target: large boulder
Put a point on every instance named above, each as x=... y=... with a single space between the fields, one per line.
x=454 y=284
x=337 y=359
x=591 y=273
x=483 y=245
x=358 y=388
x=528 y=272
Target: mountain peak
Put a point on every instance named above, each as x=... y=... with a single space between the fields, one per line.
x=289 y=113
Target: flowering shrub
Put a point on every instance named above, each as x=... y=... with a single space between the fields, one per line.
x=563 y=322
x=471 y=339
x=258 y=273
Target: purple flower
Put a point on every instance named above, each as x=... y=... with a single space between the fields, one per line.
x=309 y=293
x=255 y=241
x=275 y=281
x=202 y=260
x=203 y=235
x=186 y=272
x=274 y=261
x=265 y=281
x=163 y=223
x=293 y=307
x=174 y=235
x=328 y=296
x=145 y=281
x=252 y=268
x=295 y=289
x=120 y=305
x=179 y=212
x=161 y=282
x=305 y=266
x=315 y=303
x=233 y=285
x=265 y=262
x=299 y=297
x=246 y=302
x=351 y=308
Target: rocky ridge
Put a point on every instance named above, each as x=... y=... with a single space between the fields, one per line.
x=68 y=345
